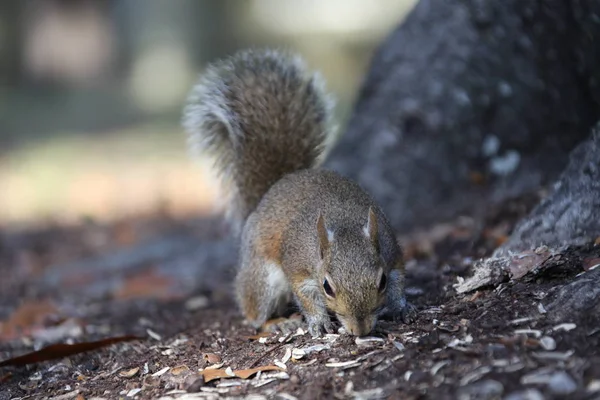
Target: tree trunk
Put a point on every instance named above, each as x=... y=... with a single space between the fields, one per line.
x=570 y=214
x=470 y=102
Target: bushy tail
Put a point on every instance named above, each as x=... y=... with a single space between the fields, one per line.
x=260 y=115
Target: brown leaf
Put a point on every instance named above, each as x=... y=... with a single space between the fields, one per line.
x=259 y=335
x=178 y=370
x=148 y=284
x=475 y=296
x=28 y=317
x=213 y=374
x=522 y=263
x=129 y=373
x=500 y=240
x=124 y=234
x=477 y=178
x=5 y=377
x=212 y=358
x=62 y=350
x=589 y=263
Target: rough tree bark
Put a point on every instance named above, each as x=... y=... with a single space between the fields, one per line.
x=470 y=102
x=570 y=214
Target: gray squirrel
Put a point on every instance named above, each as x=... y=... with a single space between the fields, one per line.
x=307 y=235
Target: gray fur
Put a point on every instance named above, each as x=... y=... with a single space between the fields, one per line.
x=240 y=99
x=266 y=122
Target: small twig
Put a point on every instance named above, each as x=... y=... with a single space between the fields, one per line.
x=266 y=353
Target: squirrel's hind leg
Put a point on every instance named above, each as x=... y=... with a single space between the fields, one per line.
x=262 y=290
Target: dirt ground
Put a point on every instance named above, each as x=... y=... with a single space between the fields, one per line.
x=143 y=277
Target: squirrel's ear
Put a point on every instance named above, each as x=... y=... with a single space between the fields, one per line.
x=371 y=228
x=325 y=235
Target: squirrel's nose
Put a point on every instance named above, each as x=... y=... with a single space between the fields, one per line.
x=361 y=328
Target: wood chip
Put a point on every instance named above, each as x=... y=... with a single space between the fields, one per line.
x=285 y=338
x=593 y=386
x=161 y=372
x=398 y=345
x=298 y=353
x=475 y=375
x=438 y=366
x=196 y=303
x=564 y=327
x=533 y=332
x=368 y=341
x=553 y=355
x=271 y=378
x=287 y=355
x=343 y=364
x=300 y=332
x=541 y=308
x=230 y=383
x=153 y=334
x=213 y=374
x=520 y=321
x=264 y=382
x=548 y=343
x=214 y=366
x=66 y=396
x=280 y=364
x=129 y=373
x=133 y=392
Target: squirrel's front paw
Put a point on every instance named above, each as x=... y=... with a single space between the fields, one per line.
x=401 y=311
x=408 y=314
x=318 y=325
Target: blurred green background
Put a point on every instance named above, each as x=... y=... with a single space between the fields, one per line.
x=91 y=93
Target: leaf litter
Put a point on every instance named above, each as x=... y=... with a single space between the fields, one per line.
x=499 y=329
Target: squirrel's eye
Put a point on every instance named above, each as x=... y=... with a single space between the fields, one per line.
x=382 y=283
x=328 y=289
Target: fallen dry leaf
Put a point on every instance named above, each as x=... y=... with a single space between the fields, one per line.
x=5 y=377
x=148 y=284
x=259 y=335
x=590 y=263
x=27 y=318
x=475 y=296
x=343 y=364
x=522 y=263
x=62 y=350
x=124 y=234
x=178 y=370
x=212 y=358
x=477 y=178
x=213 y=374
x=129 y=373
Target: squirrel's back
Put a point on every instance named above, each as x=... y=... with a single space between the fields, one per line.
x=260 y=115
x=287 y=214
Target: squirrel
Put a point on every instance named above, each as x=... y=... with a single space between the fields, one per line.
x=307 y=234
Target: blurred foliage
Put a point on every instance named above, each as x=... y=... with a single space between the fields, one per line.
x=91 y=91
